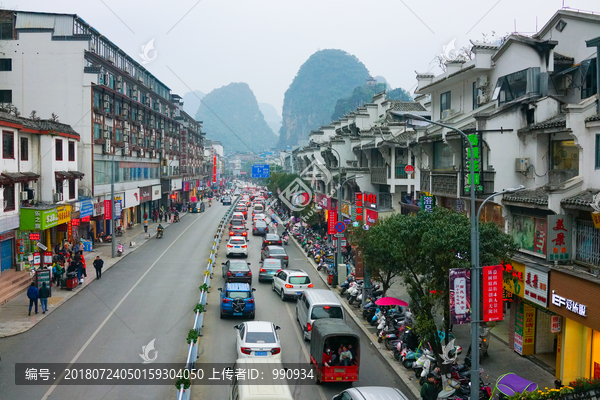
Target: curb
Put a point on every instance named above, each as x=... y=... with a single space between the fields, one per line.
x=385 y=354
x=56 y=306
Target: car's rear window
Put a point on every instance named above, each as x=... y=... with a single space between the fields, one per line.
x=277 y=252
x=260 y=224
x=237 y=222
x=271 y=263
x=299 y=280
x=260 y=337
x=326 y=312
x=238 y=267
x=238 y=295
x=237 y=241
x=271 y=236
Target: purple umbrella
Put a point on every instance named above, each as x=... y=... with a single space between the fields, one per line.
x=390 y=301
x=510 y=384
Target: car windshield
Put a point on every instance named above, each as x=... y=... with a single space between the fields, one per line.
x=270 y=263
x=237 y=241
x=238 y=295
x=260 y=224
x=260 y=337
x=277 y=252
x=326 y=312
x=299 y=280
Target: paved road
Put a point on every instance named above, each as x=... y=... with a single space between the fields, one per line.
x=147 y=295
x=218 y=342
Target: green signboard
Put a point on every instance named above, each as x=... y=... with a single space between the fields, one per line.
x=35 y=219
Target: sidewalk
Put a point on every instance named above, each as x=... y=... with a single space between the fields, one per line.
x=14 y=317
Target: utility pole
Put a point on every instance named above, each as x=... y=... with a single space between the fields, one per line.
x=112 y=206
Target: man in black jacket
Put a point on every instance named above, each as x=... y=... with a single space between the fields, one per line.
x=98 y=264
x=429 y=391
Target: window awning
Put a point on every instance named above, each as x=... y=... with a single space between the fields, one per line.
x=567 y=71
x=70 y=175
x=20 y=177
x=77 y=174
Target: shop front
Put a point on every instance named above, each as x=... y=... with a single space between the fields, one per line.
x=175 y=191
x=131 y=209
x=97 y=223
x=146 y=201
x=36 y=226
x=577 y=301
x=7 y=249
x=156 y=196
x=82 y=224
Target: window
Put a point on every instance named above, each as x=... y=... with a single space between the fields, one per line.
x=97 y=100
x=8 y=145
x=24 y=149
x=71 y=188
x=565 y=155
x=97 y=131
x=597 y=151
x=118 y=135
x=9 y=197
x=445 y=102
x=5 y=96
x=71 y=151
x=476 y=93
x=5 y=64
x=58 y=149
x=59 y=186
x=442 y=156
x=588 y=70
x=6 y=26
x=517 y=84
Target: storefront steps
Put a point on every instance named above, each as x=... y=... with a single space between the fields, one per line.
x=13 y=283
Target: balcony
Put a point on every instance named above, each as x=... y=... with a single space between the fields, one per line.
x=444 y=183
x=379 y=175
x=400 y=174
x=558 y=176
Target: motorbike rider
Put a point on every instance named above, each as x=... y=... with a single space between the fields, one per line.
x=160 y=229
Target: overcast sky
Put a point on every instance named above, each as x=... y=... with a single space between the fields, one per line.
x=206 y=44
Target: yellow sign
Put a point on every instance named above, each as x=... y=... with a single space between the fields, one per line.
x=346 y=209
x=528 y=330
x=513 y=278
x=64 y=214
x=596 y=219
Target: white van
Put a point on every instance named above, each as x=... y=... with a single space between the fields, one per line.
x=268 y=389
x=316 y=304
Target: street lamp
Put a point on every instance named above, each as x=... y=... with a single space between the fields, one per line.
x=474 y=251
x=334 y=281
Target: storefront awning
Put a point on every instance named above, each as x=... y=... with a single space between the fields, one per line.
x=20 y=177
x=77 y=174
x=71 y=175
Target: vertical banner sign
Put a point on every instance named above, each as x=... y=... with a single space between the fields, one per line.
x=528 y=330
x=427 y=201
x=358 y=199
x=555 y=324
x=536 y=286
x=107 y=210
x=460 y=293
x=70 y=230
x=559 y=238
x=472 y=165
x=331 y=220
x=492 y=293
x=518 y=345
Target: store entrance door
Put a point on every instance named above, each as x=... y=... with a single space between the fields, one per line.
x=6 y=255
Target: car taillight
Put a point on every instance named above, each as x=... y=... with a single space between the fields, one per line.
x=288 y=286
x=229 y=273
x=246 y=350
x=263 y=270
x=230 y=233
x=308 y=327
x=244 y=246
x=245 y=234
x=275 y=350
x=250 y=301
x=310 y=285
x=285 y=258
x=229 y=245
x=226 y=301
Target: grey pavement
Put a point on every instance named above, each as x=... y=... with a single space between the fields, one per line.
x=14 y=318
x=149 y=296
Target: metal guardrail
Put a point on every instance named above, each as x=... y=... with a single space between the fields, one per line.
x=192 y=354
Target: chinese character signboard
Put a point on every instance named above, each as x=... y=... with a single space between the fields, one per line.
x=536 y=286
x=107 y=210
x=596 y=219
x=528 y=330
x=514 y=279
x=460 y=295
x=492 y=293
x=64 y=214
x=427 y=202
x=518 y=344
x=358 y=200
x=555 y=324
x=346 y=209
x=559 y=238
x=474 y=165
x=36 y=219
x=371 y=217
x=570 y=305
x=331 y=220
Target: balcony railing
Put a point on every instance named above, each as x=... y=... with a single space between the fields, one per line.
x=400 y=173
x=445 y=183
x=558 y=176
x=379 y=175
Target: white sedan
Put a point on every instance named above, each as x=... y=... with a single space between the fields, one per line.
x=237 y=246
x=258 y=339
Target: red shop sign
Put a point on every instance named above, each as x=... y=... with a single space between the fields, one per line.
x=75 y=222
x=372 y=217
x=331 y=220
x=358 y=199
x=107 y=210
x=492 y=293
x=34 y=236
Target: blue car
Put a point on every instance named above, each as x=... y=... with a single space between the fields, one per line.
x=237 y=300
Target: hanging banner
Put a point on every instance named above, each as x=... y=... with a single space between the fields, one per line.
x=555 y=324
x=518 y=344
x=460 y=294
x=371 y=217
x=492 y=293
x=107 y=210
x=559 y=238
x=427 y=201
x=331 y=220
x=358 y=201
x=214 y=169
x=528 y=330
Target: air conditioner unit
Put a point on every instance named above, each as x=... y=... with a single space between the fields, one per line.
x=521 y=164
x=126 y=138
x=153 y=153
x=447 y=113
x=127 y=71
x=93 y=47
x=119 y=85
x=106 y=105
x=482 y=99
x=140 y=79
x=147 y=101
x=141 y=153
x=58 y=197
x=107 y=146
x=135 y=90
x=151 y=87
x=126 y=149
x=105 y=127
x=111 y=59
x=126 y=106
x=106 y=134
x=106 y=97
x=125 y=113
x=24 y=196
x=140 y=141
x=162 y=125
x=140 y=117
x=124 y=152
x=119 y=78
x=482 y=82
x=126 y=125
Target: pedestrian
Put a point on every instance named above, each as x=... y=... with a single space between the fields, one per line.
x=145 y=225
x=83 y=263
x=155 y=216
x=429 y=391
x=44 y=293
x=33 y=294
x=57 y=248
x=57 y=271
x=98 y=264
x=145 y=215
x=81 y=248
x=160 y=215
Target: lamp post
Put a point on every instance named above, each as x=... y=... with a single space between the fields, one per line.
x=334 y=281
x=474 y=271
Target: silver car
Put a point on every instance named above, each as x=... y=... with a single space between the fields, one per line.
x=269 y=268
x=371 y=393
x=275 y=252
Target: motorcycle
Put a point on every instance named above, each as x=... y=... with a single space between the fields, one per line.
x=120 y=249
x=159 y=233
x=176 y=218
x=285 y=239
x=119 y=231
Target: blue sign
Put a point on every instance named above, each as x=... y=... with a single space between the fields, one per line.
x=260 y=171
x=340 y=227
x=86 y=209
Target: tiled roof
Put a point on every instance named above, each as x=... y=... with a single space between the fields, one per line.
x=593 y=118
x=563 y=59
x=559 y=121
x=584 y=198
x=536 y=196
x=40 y=125
x=407 y=106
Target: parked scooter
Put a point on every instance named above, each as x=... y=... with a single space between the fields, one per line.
x=120 y=249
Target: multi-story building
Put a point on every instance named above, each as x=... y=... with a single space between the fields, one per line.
x=57 y=63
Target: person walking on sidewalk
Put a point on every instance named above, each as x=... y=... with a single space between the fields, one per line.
x=44 y=293
x=145 y=215
x=98 y=264
x=81 y=248
x=155 y=215
x=429 y=391
x=33 y=294
x=145 y=225
x=160 y=215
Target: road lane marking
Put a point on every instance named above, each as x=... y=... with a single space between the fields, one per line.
x=80 y=352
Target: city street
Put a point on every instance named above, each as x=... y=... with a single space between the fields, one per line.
x=218 y=342
x=148 y=295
